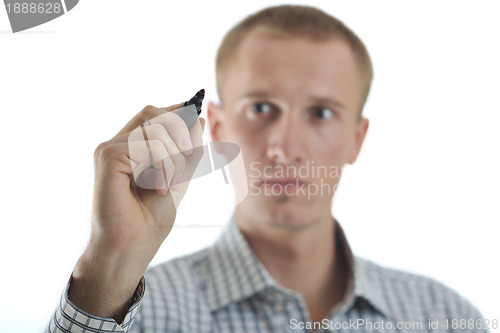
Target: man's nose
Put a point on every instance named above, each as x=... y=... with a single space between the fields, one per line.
x=286 y=140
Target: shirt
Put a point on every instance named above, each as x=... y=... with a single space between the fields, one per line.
x=225 y=288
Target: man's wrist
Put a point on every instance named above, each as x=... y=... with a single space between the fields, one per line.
x=103 y=287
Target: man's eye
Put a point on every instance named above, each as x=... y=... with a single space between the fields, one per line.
x=262 y=108
x=322 y=113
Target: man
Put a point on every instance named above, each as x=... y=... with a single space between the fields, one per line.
x=292 y=82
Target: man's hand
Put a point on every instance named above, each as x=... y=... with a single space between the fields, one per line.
x=130 y=222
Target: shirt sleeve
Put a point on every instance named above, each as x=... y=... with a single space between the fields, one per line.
x=69 y=318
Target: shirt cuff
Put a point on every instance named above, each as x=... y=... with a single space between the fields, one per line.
x=69 y=318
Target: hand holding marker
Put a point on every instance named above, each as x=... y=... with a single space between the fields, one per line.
x=130 y=222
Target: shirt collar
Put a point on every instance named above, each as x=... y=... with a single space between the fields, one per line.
x=364 y=282
x=368 y=284
x=232 y=272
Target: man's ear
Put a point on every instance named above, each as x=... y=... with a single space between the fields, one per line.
x=214 y=116
x=361 y=129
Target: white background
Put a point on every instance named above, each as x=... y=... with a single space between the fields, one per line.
x=423 y=196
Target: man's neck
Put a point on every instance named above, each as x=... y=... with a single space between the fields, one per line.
x=304 y=260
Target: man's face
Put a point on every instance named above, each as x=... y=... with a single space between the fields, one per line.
x=292 y=105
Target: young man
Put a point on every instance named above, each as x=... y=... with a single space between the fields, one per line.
x=292 y=82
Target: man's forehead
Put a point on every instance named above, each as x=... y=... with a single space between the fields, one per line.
x=267 y=62
x=268 y=41
x=261 y=53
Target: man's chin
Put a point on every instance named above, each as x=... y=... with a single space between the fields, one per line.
x=287 y=221
x=284 y=212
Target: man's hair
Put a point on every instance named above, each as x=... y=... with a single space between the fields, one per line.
x=294 y=21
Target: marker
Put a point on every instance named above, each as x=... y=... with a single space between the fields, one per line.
x=190 y=114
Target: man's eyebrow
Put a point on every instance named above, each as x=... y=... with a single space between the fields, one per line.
x=327 y=100
x=255 y=94
x=313 y=99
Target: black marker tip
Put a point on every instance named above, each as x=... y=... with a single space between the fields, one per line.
x=197 y=100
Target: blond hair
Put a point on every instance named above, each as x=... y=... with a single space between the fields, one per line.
x=295 y=21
